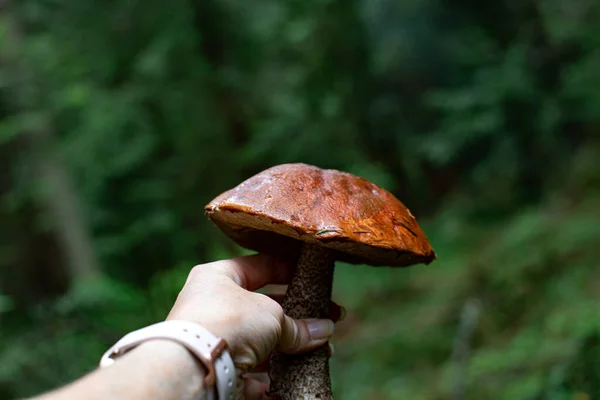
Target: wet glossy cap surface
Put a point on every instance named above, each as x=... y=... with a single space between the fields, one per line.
x=277 y=209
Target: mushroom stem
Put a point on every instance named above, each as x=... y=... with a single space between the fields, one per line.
x=306 y=376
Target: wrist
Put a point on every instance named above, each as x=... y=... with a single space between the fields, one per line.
x=173 y=353
x=208 y=350
x=172 y=363
x=156 y=369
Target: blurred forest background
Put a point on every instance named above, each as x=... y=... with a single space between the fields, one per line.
x=120 y=119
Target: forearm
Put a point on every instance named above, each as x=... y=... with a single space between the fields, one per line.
x=156 y=370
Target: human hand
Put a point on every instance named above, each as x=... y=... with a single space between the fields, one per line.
x=220 y=297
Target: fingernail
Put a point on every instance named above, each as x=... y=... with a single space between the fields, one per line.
x=331 y=350
x=343 y=313
x=319 y=329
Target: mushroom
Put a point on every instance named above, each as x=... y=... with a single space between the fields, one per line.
x=319 y=216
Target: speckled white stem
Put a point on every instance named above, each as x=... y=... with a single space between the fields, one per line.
x=306 y=377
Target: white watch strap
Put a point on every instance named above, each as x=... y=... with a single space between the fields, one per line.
x=208 y=348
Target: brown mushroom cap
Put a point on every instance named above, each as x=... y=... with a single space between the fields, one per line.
x=277 y=209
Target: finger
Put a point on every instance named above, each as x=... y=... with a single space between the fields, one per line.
x=262 y=377
x=336 y=312
x=299 y=336
x=255 y=390
x=264 y=365
x=254 y=272
x=278 y=297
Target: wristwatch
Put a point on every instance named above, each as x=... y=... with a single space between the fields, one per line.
x=211 y=351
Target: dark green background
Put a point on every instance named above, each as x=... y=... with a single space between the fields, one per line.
x=120 y=119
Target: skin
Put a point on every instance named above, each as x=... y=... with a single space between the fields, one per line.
x=220 y=296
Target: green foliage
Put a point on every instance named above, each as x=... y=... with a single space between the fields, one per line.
x=482 y=118
x=5 y=304
x=536 y=278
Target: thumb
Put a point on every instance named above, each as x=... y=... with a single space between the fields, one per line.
x=302 y=335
